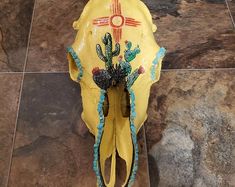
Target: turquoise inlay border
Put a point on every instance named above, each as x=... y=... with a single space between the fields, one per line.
x=100 y=128
x=160 y=54
x=134 y=138
x=77 y=61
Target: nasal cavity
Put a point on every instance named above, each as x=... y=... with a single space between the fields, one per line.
x=121 y=171
x=107 y=169
x=106 y=105
x=125 y=104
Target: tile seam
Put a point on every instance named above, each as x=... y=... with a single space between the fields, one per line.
x=230 y=13
x=20 y=96
x=146 y=154
x=163 y=70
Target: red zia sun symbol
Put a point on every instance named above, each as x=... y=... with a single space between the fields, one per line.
x=116 y=21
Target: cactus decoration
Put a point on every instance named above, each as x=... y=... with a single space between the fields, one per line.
x=119 y=73
x=112 y=75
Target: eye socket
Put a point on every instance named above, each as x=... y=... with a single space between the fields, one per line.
x=73 y=70
x=106 y=106
x=125 y=104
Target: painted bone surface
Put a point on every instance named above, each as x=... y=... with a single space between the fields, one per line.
x=115 y=59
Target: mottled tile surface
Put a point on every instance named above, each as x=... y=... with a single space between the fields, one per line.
x=52 y=32
x=15 y=20
x=9 y=95
x=197 y=34
x=191 y=129
x=191 y=124
x=49 y=150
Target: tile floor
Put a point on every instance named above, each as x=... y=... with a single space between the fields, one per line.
x=39 y=140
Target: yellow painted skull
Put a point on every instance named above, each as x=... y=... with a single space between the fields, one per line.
x=115 y=59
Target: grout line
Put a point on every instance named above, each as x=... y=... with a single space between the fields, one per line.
x=163 y=70
x=20 y=95
x=10 y=72
x=206 y=69
x=47 y=72
x=230 y=13
x=34 y=72
x=146 y=151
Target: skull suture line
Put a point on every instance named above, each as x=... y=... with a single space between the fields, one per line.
x=115 y=92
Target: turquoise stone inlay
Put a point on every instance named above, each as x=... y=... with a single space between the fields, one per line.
x=160 y=55
x=134 y=138
x=77 y=61
x=100 y=128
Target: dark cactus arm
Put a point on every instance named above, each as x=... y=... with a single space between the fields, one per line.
x=108 y=49
x=100 y=53
x=116 y=52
